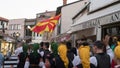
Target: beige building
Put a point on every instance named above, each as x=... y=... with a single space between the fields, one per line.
x=21 y=27
x=17 y=27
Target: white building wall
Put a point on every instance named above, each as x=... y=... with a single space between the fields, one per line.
x=68 y=13
x=97 y=14
x=96 y=4
x=86 y=16
x=36 y=38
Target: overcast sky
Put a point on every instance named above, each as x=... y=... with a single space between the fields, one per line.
x=13 y=9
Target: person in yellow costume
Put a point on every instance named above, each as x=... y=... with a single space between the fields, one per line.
x=117 y=54
x=62 y=50
x=84 y=53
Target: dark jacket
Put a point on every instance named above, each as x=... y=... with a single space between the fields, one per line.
x=58 y=62
x=103 y=60
x=91 y=66
x=22 y=58
x=70 y=56
x=34 y=60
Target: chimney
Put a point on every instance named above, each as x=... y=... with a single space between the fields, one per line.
x=64 y=2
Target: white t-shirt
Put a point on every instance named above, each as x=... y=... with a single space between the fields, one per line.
x=18 y=50
x=76 y=61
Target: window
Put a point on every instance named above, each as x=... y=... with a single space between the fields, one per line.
x=15 y=26
x=59 y=29
x=28 y=32
x=114 y=31
x=111 y=30
x=5 y=24
x=12 y=27
x=118 y=30
x=19 y=26
x=38 y=15
x=33 y=34
x=0 y=22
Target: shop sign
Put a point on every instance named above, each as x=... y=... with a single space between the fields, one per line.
x=115 y=17
x=111 y=18
x=91 y=23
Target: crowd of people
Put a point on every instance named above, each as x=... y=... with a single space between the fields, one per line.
x=99 y=54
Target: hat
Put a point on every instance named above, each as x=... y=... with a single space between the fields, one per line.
x=117 y=51
x=54 y=47
x=25 y=48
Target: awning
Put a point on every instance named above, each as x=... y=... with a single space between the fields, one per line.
x=7 y=37
x=63 y=37
x=27 y=37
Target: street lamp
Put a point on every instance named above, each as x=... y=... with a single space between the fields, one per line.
x=16 y=35
x=28 y=27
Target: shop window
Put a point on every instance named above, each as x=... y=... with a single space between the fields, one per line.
x=114 y=31
x=118 y=30
x=107 y=30
x=111 y=31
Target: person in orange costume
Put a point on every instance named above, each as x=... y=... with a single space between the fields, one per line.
x=84 y=53
x=62 y=50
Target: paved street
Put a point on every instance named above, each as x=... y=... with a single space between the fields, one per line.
x=11 y=62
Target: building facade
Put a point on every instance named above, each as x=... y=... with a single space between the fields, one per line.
x=67 y=14
x=97 y=19
x=29 y=23
x=5 y=43
x=17 y=26
x=3 y=24
x=37 y=38
x=68 y=11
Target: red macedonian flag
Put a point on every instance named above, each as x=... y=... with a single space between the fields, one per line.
x=46 y=25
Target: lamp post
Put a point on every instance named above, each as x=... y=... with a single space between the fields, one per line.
x=16 y=35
